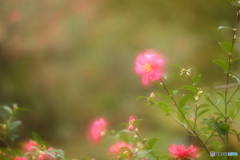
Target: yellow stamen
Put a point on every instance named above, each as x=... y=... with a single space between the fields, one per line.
x=147 y=67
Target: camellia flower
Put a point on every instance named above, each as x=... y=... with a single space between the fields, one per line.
x=181 y=152
x=27 y=146
x=118 y=145
x=21 y=158
x=98 y=129
x=148 y=64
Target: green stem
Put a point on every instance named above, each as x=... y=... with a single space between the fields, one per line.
x=234 y=37
x=192 y=130
x=144 y=143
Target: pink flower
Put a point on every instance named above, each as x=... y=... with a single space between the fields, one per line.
x=148 y=64
x=181 y=152
x=27 y=146
x=21 y=158
x=118 y=145
x=98 y=129
x=46 y=156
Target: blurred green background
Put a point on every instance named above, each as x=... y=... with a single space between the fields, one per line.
x=72 y=61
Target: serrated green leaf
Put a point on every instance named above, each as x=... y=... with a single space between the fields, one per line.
x=202 y=112
x=14 y=125
x=190 y=88
x=152 y=141
x=196 y=78
x=225 y=46
x=224 y=27
x=221 y=64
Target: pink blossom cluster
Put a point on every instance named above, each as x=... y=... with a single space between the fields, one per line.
x=29 y=147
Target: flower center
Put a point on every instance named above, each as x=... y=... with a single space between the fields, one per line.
x=147 y=67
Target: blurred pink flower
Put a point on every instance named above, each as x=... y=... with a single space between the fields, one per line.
x=131 y=126
x=27 y=146
x=98 y=129
x=21 y=158
x=181 y=152
x=46 y=156
x=116 y=146
x=148 y=64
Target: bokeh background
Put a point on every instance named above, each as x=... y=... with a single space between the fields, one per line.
x=72 y=61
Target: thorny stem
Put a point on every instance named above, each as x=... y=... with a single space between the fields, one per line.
x=192 y=130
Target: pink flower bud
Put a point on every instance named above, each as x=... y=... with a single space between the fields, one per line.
x=131 y=128
x=98 y=129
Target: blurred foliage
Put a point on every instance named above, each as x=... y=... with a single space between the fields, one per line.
x=71 y=61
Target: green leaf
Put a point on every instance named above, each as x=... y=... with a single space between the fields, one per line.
x=235 y=77
x=196 y=78
x=175 y=65
x=152 y=141
x=230 y=113
x=190 y=88
x=50 y=153
x=183 y=100
x=173 y=92
x=164 y=106
x=236 y=59
x=238 y=104
x=202 y=112
x=203 y=105
x=224 y=27
x=8 y=109
x=14 y=125
x=124 y=131
x=220 y=94
x=164 y=96
x=124 y=124
x=222 y=129
x=137 y=122
x=225 y=46
x=180 y=117
x=221 y=64
x=218 y=101
x=37 y=138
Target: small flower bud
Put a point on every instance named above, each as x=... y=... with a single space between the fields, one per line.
x=152 y=95
x=131 y=128
x=136 y=150
x=144 y=140
x=212 y=116
x=136 y=130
